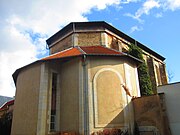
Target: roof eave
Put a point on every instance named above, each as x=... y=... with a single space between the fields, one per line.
x=138 y=61
x=16 y=73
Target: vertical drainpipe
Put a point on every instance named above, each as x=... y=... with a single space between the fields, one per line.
x=85 y=95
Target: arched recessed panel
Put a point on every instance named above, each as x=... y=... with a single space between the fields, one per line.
x=109 y=99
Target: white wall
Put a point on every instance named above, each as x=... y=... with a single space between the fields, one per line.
x=172 y=100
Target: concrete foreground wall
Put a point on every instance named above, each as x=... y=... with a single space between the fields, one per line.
x=171 y=97
x=149 y=116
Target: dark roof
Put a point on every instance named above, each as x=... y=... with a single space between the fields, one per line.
x=100 y=26
x=81 y=51
x=4 y=99
x=6 y=104
x=174 y=83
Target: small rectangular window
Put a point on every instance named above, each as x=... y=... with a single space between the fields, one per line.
x=53 y=102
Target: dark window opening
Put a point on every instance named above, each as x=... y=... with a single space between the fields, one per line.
x=53 y=102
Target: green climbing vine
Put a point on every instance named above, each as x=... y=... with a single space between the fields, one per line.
x=144 y=78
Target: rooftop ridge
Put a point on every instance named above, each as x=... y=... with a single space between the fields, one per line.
x=82 y=51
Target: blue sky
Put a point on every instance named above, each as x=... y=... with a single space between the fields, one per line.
x=25 y=26
x=159 y=31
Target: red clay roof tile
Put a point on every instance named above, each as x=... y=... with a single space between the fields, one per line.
x=80 y=50
x=100 y=50
x=66 y=53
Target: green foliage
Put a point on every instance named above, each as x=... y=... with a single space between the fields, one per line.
x=144 y=78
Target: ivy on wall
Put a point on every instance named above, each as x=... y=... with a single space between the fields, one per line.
x=144 y=78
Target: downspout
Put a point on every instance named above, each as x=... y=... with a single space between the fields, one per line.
x=85 y=95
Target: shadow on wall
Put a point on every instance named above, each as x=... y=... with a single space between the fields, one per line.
x=121 y=124
x=149 y=116
x=146 y=119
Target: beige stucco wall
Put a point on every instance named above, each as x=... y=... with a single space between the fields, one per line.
x=69 y=96
x=26 y=103
x=108 y=105
x=33 y=99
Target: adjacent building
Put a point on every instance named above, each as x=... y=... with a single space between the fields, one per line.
x=170 y=96
x=6 y=105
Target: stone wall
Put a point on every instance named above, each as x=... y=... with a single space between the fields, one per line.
x=149 y=116
x=162 y=69
x=62 y=44
x=89 y=39
x=152 y=74
x=117 y=43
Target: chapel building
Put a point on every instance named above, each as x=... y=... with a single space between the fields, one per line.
x=81 y=86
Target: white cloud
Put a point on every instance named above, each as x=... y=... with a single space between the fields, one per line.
x=172 y=4
x=16 y=51
x=25 y=25
x=148 y=5
x=129 y=1
x=145 y=9
x=158 y=15
x=134 y=17
x=135 y=28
